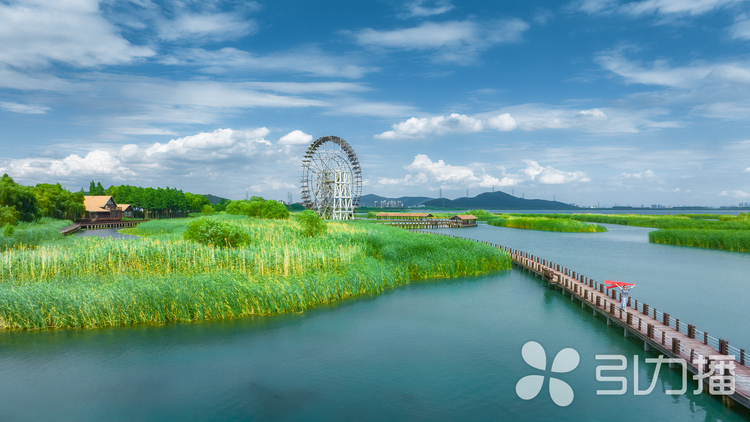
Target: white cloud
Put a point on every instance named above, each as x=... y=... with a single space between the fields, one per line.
x=747 y=170
x=660 y=7
x=233 y=157
x=221 y=144
x=295 y=137
x=735 y=193
x=647 y=175
x=23 y=108
x=659 y=72
x=37 y=33
x=310 y=60
x=503 y=122
x=95 y=163
x=551 y=176
x=420 y=127
x=741 y=28
x=422 y=8
x=455 y=41
x=206 y=27
x=425 y=172
x=530 y=117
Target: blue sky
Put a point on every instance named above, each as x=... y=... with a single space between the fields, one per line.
x=592 y=101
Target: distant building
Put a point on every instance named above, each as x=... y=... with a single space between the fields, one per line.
x=102 y=208
x=745 y=204
x=389 y=204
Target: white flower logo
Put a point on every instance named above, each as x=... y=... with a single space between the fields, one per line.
x=529 y=386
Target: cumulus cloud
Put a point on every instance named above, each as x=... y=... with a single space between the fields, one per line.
x=454 y=41
x=647 y=175
x=530 y=117
x=95 y=163
x=425 y=172
x=295 y=137
x=504 y=122
x=420 y=127
x=549 y=175
x=232 y=156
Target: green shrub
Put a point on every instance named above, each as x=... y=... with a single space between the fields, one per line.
x=215 y=232
x=9 y=215
x=208 y=209
x=274 y=209
x=312 y=224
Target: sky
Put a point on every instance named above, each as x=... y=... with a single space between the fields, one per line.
x=590 y=102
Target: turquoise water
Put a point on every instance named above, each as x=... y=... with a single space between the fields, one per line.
x=433 y=350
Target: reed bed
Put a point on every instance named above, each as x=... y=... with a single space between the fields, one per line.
x=31 y=234
x=546 y=224
x=728 y=240
x=160 y=277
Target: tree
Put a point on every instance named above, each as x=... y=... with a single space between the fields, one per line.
x=55 y=202
x=21 y=197
x=312 y=224
x=207 y=209
x=274 y=209
x=99 y=189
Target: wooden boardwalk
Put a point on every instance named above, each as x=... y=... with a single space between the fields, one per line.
x=99 y=225
x=658 y=331
x=430 y=223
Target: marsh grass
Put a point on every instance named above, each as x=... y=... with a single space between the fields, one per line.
x=31 y=234
x=96 y=282
x=545 y=224
x=728 y=240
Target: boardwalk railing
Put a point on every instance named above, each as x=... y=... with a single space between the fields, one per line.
x=430 y=223
x=658 y=330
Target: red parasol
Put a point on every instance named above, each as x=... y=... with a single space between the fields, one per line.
x=610 y=284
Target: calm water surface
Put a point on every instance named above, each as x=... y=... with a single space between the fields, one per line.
x=432 y=350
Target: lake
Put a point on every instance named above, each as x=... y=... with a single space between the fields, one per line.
x=431 y=350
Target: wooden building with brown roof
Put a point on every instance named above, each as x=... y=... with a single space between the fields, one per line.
x=101 y=208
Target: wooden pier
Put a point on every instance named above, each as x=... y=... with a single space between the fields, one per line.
x=92 y=225
x=430 y=223
x=659 y=331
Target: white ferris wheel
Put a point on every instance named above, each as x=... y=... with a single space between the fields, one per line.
x=331 y=178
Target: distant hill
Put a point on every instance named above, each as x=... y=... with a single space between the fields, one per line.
x=498 y=201
x=213 y=199
x=408 y=201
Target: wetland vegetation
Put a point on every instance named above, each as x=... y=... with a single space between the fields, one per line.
x=277 y=268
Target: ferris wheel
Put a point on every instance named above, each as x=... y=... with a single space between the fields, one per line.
x=331 y=178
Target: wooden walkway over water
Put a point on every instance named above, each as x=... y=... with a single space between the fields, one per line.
x=659 y=331
x=93 y=225
x=429 y=223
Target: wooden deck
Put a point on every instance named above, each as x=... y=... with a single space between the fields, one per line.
x=92 y=225
x=430 y=223
x=658 y=331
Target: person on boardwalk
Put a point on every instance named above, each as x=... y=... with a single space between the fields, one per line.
x=624 y=294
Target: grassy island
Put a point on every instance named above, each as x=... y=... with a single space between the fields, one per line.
x=545 y=224
x=160 y=277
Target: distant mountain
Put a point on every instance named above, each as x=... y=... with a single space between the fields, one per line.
x=408 y=201
x=213 y=199
x=498 y=201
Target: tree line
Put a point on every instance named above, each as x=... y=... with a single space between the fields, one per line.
x=26 y=203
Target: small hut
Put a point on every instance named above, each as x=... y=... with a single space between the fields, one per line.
x=465 y=220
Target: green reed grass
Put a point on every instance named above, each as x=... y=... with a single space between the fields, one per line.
x=728 y=240
x=545 y=224
x=160 y=277
x=34 y=233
